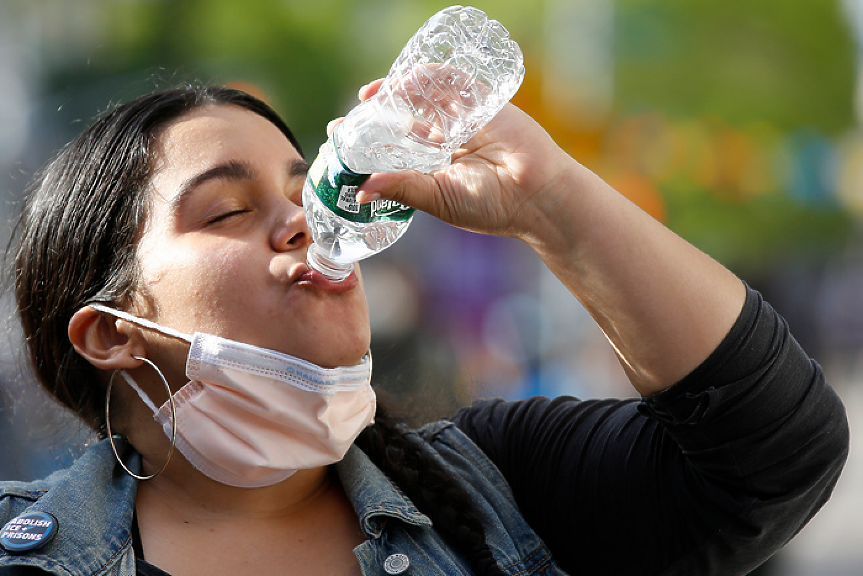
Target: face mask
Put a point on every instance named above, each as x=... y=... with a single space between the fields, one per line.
x=251 y=417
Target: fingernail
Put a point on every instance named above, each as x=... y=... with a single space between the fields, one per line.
x=364 y=197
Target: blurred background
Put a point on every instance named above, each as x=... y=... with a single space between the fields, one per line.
x=736 y=123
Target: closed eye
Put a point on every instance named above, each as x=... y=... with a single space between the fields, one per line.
x=221 y=217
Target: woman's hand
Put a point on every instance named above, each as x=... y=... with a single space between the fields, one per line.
x=494 y=184
x=663 y=304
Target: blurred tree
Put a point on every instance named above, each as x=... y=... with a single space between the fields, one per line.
x=786 y=62
x=729 y=85
x=736 y=70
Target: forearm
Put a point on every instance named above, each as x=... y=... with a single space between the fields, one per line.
x=663 y=304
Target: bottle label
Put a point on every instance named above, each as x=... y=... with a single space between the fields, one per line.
x=337 y=186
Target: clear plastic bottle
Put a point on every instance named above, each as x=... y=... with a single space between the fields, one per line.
x=453 y=76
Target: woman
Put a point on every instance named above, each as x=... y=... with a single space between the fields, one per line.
x=179 y=213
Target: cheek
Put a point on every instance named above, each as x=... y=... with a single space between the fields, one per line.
x=238 y=292
x=188 y=287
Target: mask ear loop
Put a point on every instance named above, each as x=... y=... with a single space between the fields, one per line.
x=173 y=423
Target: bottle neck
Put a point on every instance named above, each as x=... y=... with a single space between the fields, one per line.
x=333 y=270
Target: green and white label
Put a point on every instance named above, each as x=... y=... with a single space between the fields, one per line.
x=347 y=199
x=337 y=186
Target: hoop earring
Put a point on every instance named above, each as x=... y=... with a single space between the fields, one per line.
x=173 y=423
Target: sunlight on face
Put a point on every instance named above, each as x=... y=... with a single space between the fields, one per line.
x=224 y=248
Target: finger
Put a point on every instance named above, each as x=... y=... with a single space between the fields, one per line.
x=370 y=89
x=332 y=125
x=410 y=188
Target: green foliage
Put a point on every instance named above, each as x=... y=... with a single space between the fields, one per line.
x=788 y=65
x=758 y=235
x=787 y=62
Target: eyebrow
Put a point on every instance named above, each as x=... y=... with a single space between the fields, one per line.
x=297 y=168
x=230 y=170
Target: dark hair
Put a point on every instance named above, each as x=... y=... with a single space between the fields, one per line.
x=78 y=232
x=77 y=238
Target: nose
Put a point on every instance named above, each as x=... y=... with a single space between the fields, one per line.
x=290 y=231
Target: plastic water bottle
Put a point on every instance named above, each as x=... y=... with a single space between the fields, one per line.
x=451 y=78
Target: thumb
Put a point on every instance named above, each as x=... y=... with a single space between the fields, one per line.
x=411 y=188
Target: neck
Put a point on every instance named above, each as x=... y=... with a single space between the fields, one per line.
x=189 y=494
x=304 y=525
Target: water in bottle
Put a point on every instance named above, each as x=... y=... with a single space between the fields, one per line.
x=452 y=77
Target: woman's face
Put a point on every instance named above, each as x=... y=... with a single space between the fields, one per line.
x=224 y=247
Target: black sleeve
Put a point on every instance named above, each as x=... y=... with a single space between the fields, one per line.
x=710 y=476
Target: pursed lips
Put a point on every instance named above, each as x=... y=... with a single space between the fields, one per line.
x=302 y=275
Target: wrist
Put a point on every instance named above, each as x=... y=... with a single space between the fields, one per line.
x=559 y=213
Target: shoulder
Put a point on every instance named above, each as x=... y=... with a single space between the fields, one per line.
x=30 y=490
x=448 y=438
x=89 y=504
x=97 y=460
x=453 y=445
x=16 y=497
x=507 y=530
x=462 y=455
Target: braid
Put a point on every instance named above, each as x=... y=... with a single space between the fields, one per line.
x=431 y=488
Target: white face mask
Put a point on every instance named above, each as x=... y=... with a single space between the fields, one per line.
x=251 y=417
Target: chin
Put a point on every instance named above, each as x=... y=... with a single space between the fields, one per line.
x=332 y=354
x=351 y=358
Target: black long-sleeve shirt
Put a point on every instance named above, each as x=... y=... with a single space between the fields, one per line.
x=710 y=476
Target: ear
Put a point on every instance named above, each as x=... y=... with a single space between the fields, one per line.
x=105 y=342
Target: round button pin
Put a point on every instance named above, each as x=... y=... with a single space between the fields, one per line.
x=28 y=532
x=397 y=564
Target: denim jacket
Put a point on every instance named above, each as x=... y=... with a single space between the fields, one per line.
x=93 y=502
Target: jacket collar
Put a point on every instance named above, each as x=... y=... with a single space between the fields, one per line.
x=93 y=502
x=374 y=497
